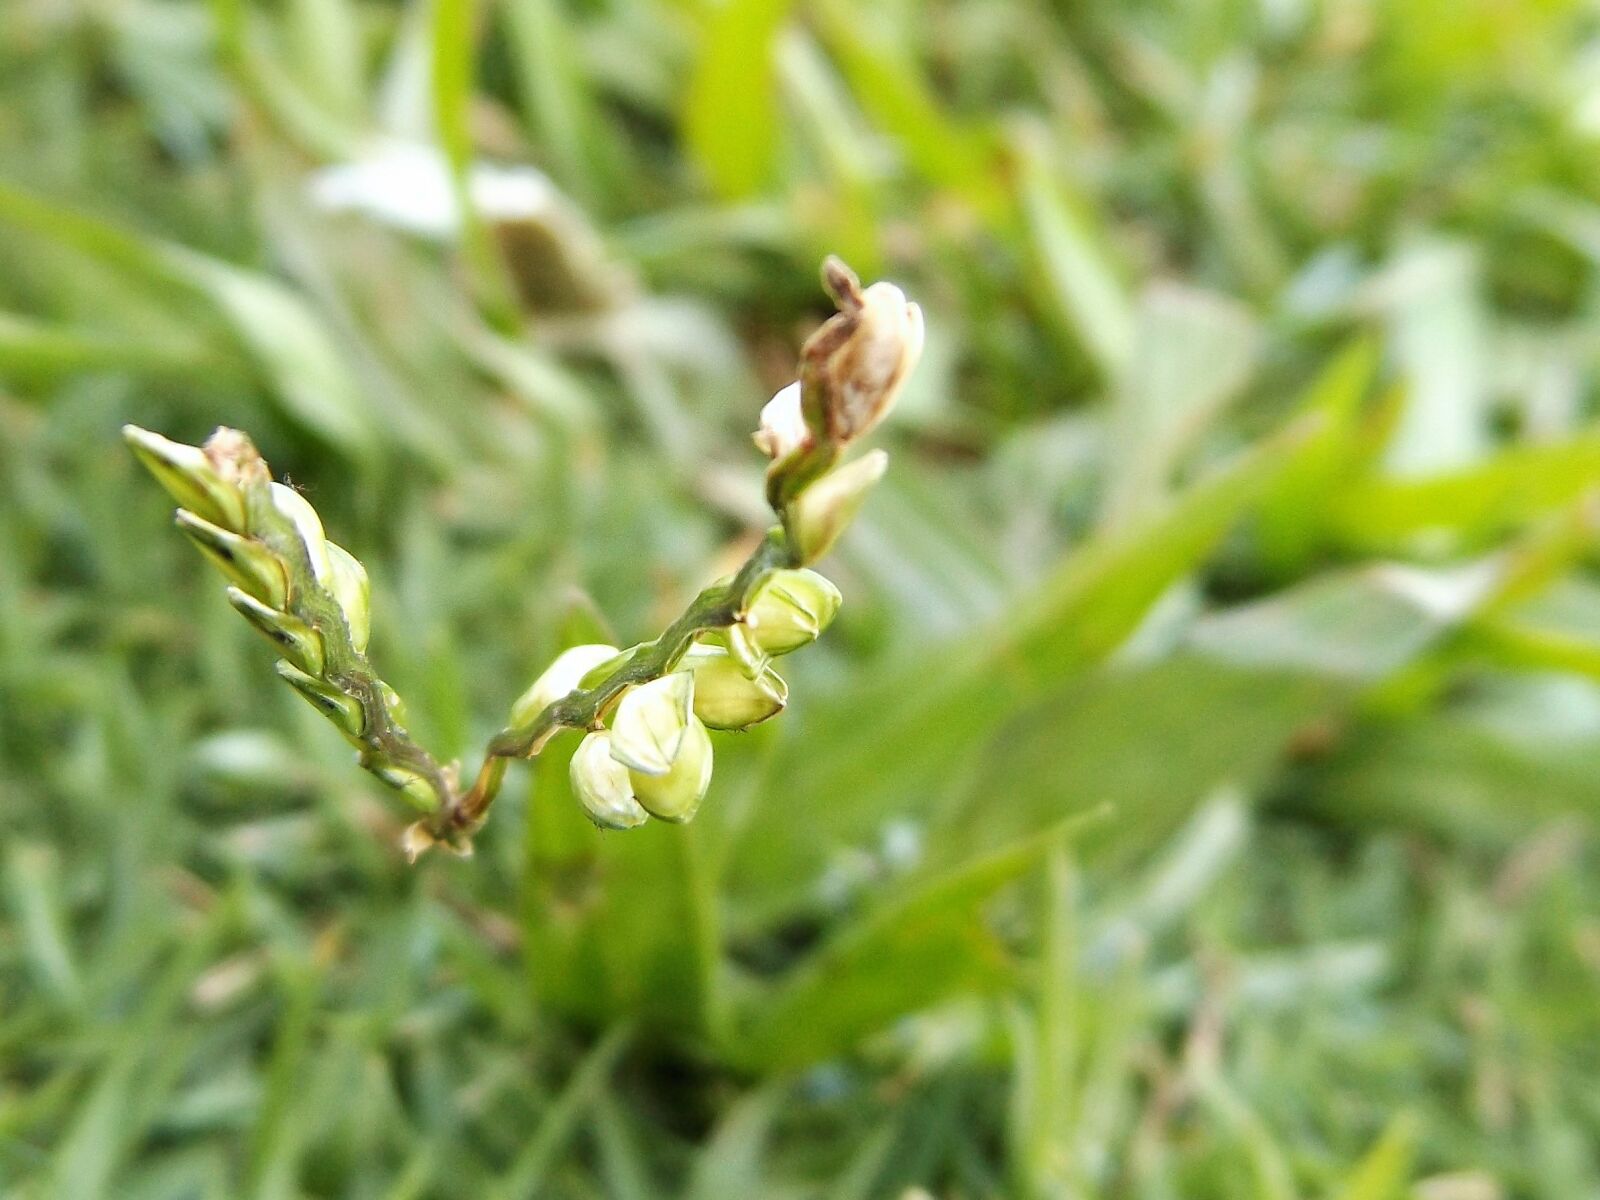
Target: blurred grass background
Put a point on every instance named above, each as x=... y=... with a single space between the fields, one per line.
x=1194 y=798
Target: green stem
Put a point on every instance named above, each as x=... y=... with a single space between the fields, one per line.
x=715 y=608
x=383 y=737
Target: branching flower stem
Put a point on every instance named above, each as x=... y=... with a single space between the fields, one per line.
x=716 y=607
x=711 y=668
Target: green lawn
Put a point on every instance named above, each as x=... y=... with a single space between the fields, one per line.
x=1193 y=799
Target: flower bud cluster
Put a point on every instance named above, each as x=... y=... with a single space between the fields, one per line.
x=645 y=711
x=306 y=595
x=654 y=758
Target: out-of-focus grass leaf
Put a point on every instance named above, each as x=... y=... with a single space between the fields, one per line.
x=451 y=41
x=1385 y=1172
x=1440 y=330
x=1290 y=527
x=538 y=1157
x=146 y=1058
x=825 y=117
x=1073 y=257
x=732 y=1163
x=33 y=894
x=36 y=350
x=1556 y=629
x=844 y=776
x=452 y=62
x=1469 y=505
x=1190 y=354
x=1470 y=773
x=909 y=954
x=557 y=96
x=294 y=351
x=1359 y=625
x=300 y=107
x=888 y=85
x=611 y=922
x=732 y=92
x=1088 y=744
x=327 y=40
x=293 y=348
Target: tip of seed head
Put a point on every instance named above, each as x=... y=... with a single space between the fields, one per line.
x=235 y=456
x=842 y=283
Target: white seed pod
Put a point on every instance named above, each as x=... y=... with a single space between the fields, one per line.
x=676 y=795
x=821 y=513
x=725 y=697
x=651 y=722
x=352 y=589
x=308 y=525
x=789 y=610
x=295 y=640
x=246 y=562
x=560 y=679
x=189 y=477
x=603 y=785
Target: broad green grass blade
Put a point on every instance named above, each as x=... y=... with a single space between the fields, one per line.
x=291 y=346
x=919 y=949
x=1088 y=745
x=890 y=87
x=557 y=97
x=1291 y=526
x=843 y=776
x=310 y=377
x=528 y=1175
x=34 y=350
x=1072 y=254
x=614 y=925
x=733 y=92
x=1385 y=1172
x=1188 y=358
x=1507 y=490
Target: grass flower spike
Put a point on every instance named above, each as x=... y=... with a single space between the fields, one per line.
x=306 y=595
x=645 y=710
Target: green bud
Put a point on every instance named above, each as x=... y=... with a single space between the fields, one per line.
x=392 y=701
x=726 y=697
x=741 y=647
x=189 y=476
x=308 y=525
x=249 y=564
x=818 y=515
x=412 y=785
x=676 y=795
x=295 y=640
x=603 y=785
x=353 y=591
x=560 y=678
x=342 y=710
x=651 y=721
x=790 y=609
x=607 y=667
